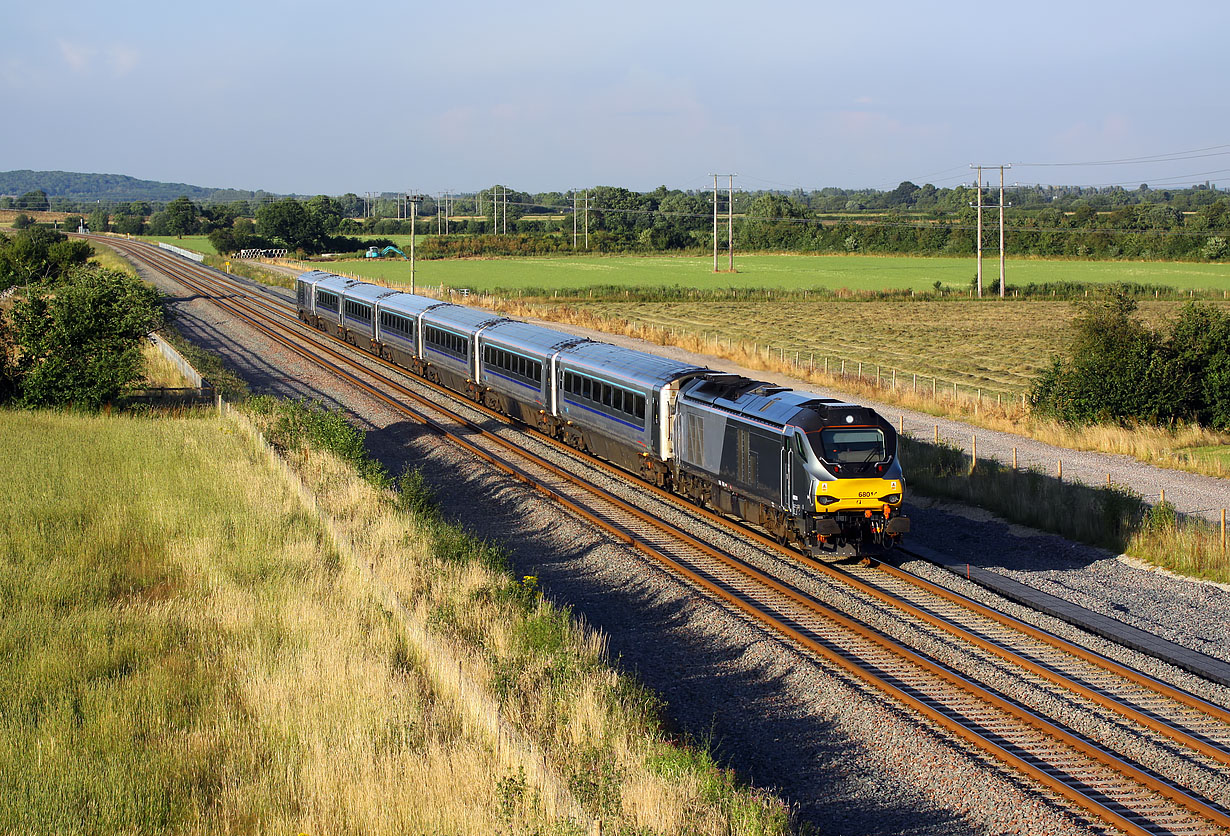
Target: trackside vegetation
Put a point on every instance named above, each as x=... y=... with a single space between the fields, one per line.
x=601 y=731
x=70 y=332
x=189 y=647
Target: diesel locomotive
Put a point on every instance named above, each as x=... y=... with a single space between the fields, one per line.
x=814 y=472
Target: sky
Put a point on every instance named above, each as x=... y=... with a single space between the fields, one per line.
x=308 y=97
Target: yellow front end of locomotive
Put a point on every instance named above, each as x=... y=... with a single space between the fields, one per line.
x=858 y=494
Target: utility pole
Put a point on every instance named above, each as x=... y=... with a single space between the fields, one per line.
x=979 y=231
x=413 y=200
x=730 y=224
x=1001 y=227
x=587 y=219
x=729 y=221
x=574 y=219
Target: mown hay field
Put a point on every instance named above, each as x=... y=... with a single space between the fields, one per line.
x=998 y=346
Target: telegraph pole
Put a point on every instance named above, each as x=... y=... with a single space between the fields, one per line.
x=730 y=233
x=587 y=219
x=1001 y=227
x=730 y=223
x=979 y=231
x=574 y=219
x=413 y=200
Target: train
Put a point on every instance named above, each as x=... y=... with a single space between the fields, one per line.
x=818 y=474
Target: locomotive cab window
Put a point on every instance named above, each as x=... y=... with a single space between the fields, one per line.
x=851 y=445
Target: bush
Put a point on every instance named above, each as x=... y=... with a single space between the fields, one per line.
x=38 y=254
x=1119 y=370
x=78 y=342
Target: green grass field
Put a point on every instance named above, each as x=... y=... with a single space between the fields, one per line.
x=855 y=273
x=199 y=243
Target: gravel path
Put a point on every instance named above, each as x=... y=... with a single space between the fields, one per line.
x=829 y=746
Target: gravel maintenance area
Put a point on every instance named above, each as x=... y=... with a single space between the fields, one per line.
x=849 y=760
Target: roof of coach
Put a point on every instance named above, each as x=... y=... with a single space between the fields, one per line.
x=612 y=361
x=313 y=276
x=529 y=337
x=334 y=283
x=368 y=292
x=461 y=317
x=408 y=304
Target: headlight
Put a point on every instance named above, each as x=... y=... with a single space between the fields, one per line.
x=827 y=500
x=891 y=499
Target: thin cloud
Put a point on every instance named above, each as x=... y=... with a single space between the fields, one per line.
x=77 y=57
x=118 y=60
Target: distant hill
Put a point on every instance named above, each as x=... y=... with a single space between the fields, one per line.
x=112 y=188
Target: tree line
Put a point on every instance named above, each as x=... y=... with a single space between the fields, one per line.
x=1147 y=224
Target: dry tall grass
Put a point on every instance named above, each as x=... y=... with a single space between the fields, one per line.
x=185 y=650
x=534 y=678
x=159 y=371
x=1110 y=516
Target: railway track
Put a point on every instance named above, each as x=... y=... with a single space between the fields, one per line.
x=1169 y=778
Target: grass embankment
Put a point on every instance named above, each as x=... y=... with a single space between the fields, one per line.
x=184 y=649
x=250 y=270
x=197 y=243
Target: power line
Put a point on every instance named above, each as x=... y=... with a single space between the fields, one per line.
x=1195 y=153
